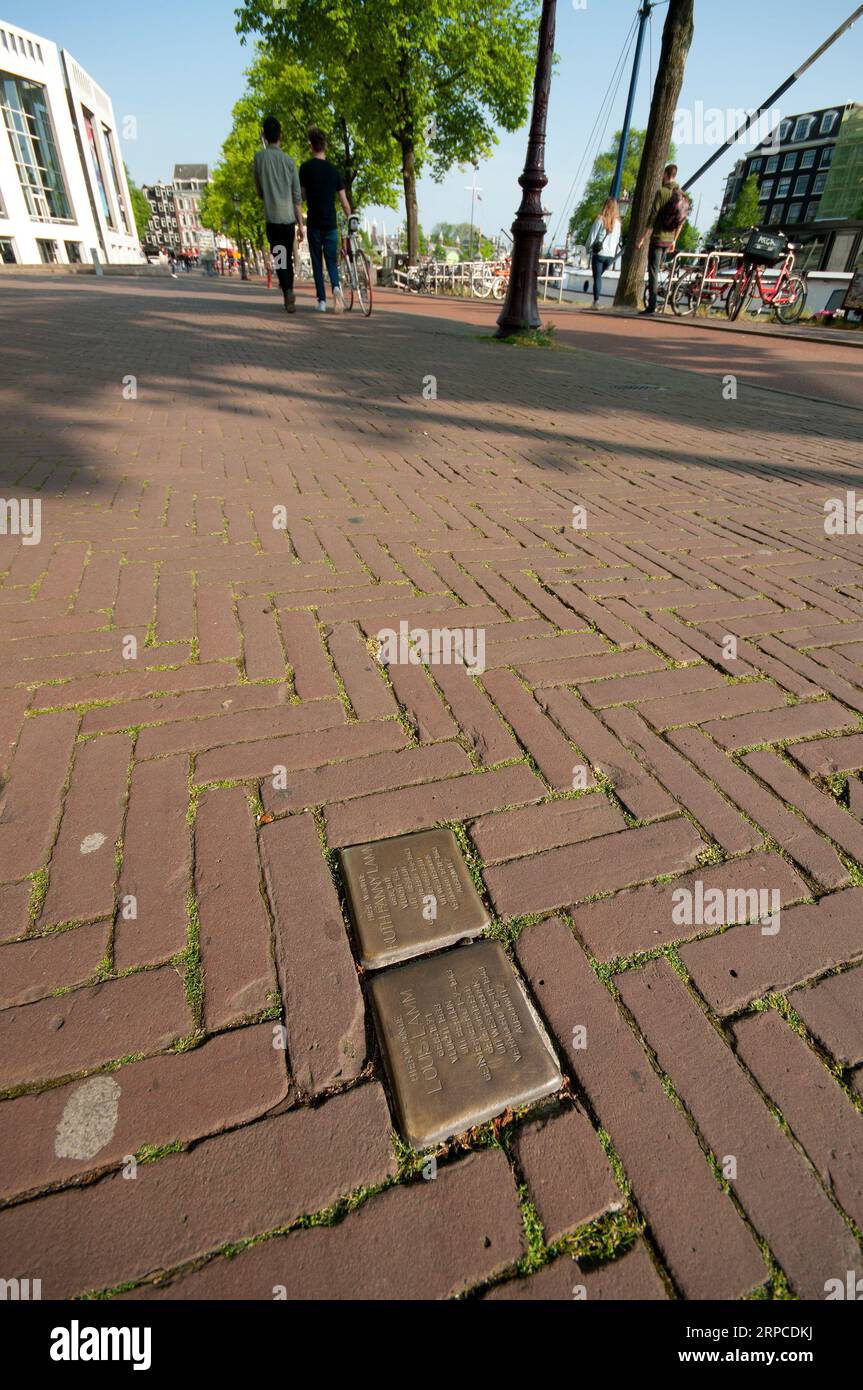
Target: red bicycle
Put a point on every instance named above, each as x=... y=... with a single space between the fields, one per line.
x=786 y=296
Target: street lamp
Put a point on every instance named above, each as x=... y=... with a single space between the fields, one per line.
x=528 y=230
x=244 y=274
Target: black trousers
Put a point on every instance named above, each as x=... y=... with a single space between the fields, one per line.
x=654 y=266
x=281 y=239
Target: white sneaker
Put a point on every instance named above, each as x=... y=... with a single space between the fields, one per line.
x=338 y=302
x=321 y=306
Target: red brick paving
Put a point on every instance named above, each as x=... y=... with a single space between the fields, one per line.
x=180 y=981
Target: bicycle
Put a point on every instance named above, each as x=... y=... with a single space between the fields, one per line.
x=787 y=297
x=492 y=278
x=355 y=272
x=418 y=280
x=698 y=289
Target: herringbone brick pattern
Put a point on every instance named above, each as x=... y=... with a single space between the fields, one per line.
x=193 y=721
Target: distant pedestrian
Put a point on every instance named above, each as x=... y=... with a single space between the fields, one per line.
x=667 y=218
x=604 y=243
x=320 y=182
x=278 y=185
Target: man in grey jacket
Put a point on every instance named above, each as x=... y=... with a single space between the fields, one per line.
x=278 y=184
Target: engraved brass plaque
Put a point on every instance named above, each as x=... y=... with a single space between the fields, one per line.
x=409 y=895
x=461 y=1041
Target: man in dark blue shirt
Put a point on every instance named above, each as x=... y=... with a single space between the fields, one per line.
x=321 y=182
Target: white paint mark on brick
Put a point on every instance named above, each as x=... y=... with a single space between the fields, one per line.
x=89 y=1119
x=92 y=842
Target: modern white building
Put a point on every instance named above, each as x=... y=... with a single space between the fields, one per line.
x=64 y=198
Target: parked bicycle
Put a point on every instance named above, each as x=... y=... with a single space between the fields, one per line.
x=355 y=272
x=786 y=296
x=491 y=278
x=704 y=288
x=419 y=279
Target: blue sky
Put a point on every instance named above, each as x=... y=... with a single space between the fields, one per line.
x=177 y=66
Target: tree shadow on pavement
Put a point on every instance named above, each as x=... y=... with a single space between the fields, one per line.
x=214 y=366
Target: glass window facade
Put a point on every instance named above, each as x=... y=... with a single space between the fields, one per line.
x=31 y=135
x=93 y=142
x=801 y=185
x=7 y=251
x=115 y=178
x=808 y=159
x=789 y=161
x=772 y=164
x=783 y=188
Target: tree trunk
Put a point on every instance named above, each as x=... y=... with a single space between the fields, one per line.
x=676 y=39
x=409 y=178
x=348 y=162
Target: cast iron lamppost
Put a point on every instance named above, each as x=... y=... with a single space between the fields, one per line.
x=528 y=230
x=244 y=274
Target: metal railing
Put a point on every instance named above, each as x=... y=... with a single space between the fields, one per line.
x=475 y=279
x=687 y=262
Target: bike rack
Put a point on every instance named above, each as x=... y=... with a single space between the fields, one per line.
x=685 y=261
x=445 y=278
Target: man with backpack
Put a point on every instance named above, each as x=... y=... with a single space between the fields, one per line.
x=666 y=220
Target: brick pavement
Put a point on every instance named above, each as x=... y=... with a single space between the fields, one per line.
x=668 y=831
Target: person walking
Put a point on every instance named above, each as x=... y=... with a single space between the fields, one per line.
x=604 y=243
x=278 y=186
x=320 y=181
x=667 y=217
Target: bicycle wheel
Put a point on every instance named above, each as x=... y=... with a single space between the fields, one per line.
x=363 y=273
x=686 y=294
x=480 y=285
x=346 y=280
x=793 y=300
x=738 y=295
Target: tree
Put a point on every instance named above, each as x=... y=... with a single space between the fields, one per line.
x=299 y=99
x=413 y=72
x=234 y=174
x=676 y=39
x=599 y=183
x=745 y=212
x=141 y=209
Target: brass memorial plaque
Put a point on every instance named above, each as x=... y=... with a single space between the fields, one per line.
x=410 y=895
x=461 y=1041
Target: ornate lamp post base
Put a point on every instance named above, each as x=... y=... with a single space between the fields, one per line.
x=520 y=309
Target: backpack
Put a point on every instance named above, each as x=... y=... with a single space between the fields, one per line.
x=675 y=212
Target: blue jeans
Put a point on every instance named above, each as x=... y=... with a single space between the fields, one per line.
x=324 y=242
x=600 y=266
